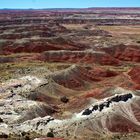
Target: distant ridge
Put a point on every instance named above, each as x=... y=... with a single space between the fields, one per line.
x=89 y=8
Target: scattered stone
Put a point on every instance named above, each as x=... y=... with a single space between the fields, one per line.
x=50 y=134
x=87 y=112
x=107 y=103
x=27 y=138
x=64 y=99
x=95 y=107
x=101 y=107
x=1 y=120
x=3 y=136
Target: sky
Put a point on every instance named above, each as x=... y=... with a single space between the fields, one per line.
x=37 y=4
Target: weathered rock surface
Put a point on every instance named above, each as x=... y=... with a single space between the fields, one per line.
x=125 y=52
x=88 y=56
x=76 y=77
x=19 y=114
x=63 y=76
x=135 y=76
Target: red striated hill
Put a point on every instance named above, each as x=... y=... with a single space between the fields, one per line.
x=135 y=76
x=79 y=57
x=125 y=52
x=77 y=77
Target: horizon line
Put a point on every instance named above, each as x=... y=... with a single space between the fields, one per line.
x=68 y=8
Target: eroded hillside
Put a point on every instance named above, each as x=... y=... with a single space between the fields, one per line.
x=70 y=74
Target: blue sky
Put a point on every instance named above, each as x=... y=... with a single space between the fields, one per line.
x=67 y=3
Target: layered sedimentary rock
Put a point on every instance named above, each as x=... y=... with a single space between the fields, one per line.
x=125 y=52
x=19 y=114
x=135 y=76
x=88 y=56
x=65 y=78
x=76 y=77
x=94 y=119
